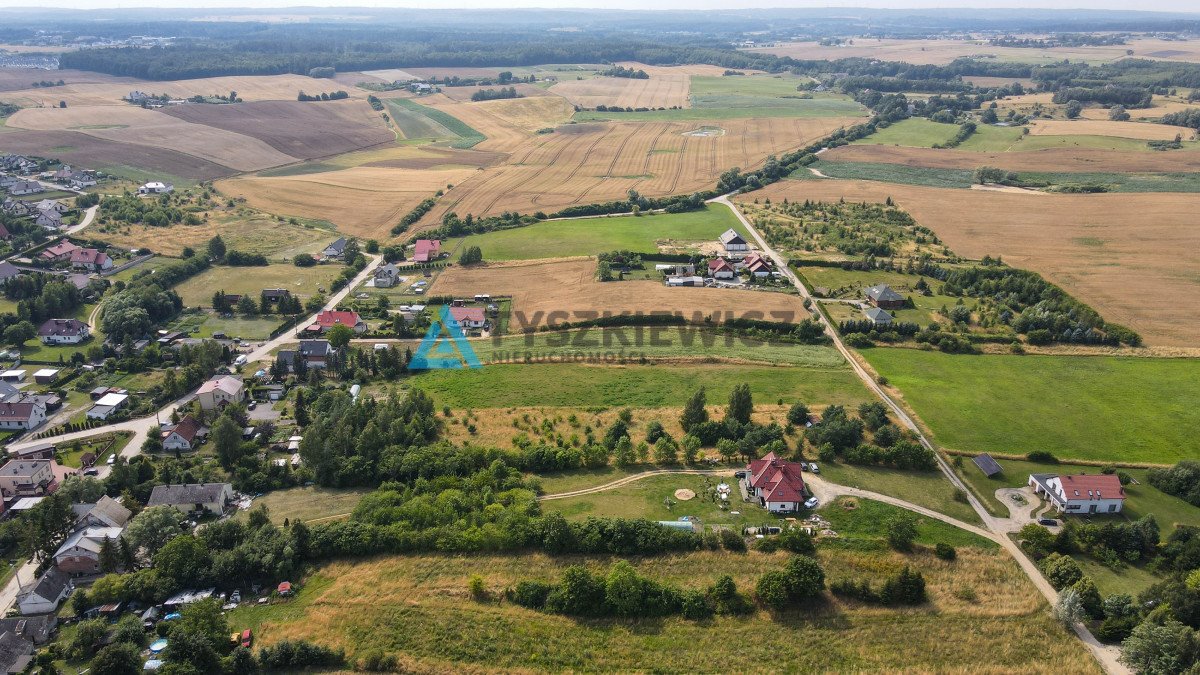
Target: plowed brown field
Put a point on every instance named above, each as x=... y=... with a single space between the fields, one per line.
x=1132 y=256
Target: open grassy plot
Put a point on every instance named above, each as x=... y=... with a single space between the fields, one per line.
x=734 y=107
x=1132 y=257
x=639 y=386
x=301 y=281
x=990 y=138
x=417 y=607
x=249 y=233
x=589 y=236
x=866 y=519
x=310 y=503
x=924 y=488
x=205 y=323
x=416 y=121
x=915 y=132
x=1094 y=408
x=1085 y=142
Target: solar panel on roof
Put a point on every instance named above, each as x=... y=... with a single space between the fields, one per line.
x=987 y=465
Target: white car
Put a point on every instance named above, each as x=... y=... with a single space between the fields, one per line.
x=811 y=503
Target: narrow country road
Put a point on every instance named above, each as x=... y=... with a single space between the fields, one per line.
x=89 y=215
x=1105 y=655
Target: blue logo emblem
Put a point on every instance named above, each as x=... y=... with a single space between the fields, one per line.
x=440 y=351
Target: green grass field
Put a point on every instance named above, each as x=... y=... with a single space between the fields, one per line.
x=924 y=488
x=419 y=122
x=309 y=503
x=988 y=138
x=1082 y=407
x=766 y=86
x=637 y=386
x=589 y=236
x=731 y=106
x=866 y=519
x=663 y=342
x=205 y=324
x=301 y=281
x=916 y=132
x=1043 y=142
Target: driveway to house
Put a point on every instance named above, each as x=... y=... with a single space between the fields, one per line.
x=997 y=528
x=263 y=351
x=89 y=214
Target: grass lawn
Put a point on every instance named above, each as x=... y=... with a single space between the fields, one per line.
x=309 y=503
x=988 y=138
x=589 y=236
x=70 y=453
x=768 y=86
x=1043 y=142
x=1079 y=407
x=916 y=132
x=204 y=324
x=301 y=281
x=866 y=519
x=417 y=607
x=638 y=386
x=924 y=488
x=1132 y=580
x=566 y=481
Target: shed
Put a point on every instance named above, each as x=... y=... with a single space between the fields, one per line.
x=987 y=465
x=45 y=375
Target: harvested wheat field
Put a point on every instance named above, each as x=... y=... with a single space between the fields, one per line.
x=248 y=88
x=942 y=52
x=255 y=233
x=524 y=89
x=502 y=134
x=1139 y=130
x=667 y=87
x=75 y=147
x=529 y=114
x=16 y=79
x=361 y=201
x=587 y=163
x=139 y=126
x=1131 y=256
x=1077 y=160
x=570 y=286
x=304 y=130
x=1161 y=106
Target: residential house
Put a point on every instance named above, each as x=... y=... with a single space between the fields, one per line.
x=387 y=276
x=336 y=249
x=469 y=317
x=1080 y=493
x=757 y=265
x=9 y=392
x=427 y=250
x=274 y=295
x=79 y=180
x=27 y=478
x=732 y=241
x=59 y=252
x=16 y=653
x=80 y=553
x=51 y=219
x=330 y=318
x=878 y=317
x=210 y=497
x=777 y=484
x=183 y=436
x=107 y=405
x=44 y=595
x=883 y=297
x=25 y=187
x=220 y=391
x=156 y=188
x=36 y=630
x=91 y=260
x=314 y=353
x=24 y=414
x=51 y=205
x=7 y=269
x=16 y=207
x=63 y=332
x=106 y=512
x=719 y=268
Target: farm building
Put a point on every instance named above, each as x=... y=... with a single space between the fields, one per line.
x=878 y=317
x=427 y=250
x=883 y=297
x=211 y=497
x=13 y=376
x=220 y=391
x=1081 y=493
x=987 y=465
x=679 y=270
x=732 y=241
x=685 y=281
x=46 y=375
x=719 y=268
x=776 y=483
x=63 y=332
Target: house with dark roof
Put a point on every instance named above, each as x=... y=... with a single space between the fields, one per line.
x=336 y=249
x=106 y=512
x=211 y=497
x=1089 y=494
x=732 y=241
x=39 y=451
x=776 y=483
x=314 y=353
x=183 y=436
x=987 y=464
x=25 y=187
x=16 y=653
x=49 y=219
x=274 y=295
x=7 y=269
x=63 y=332
x=387 y=276
x=878 y=317
x=427 y=250
x=883 y=297
x=80 y=553
x=26 y=413
x=44 y=595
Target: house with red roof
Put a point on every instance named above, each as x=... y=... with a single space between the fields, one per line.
x=60 y=251
x=182 y=436
x=427 y=250
x=1080 y=493
x=719 y=268
x=469 y=317
x=776 y=483
x=330 y=318
x=756 y=265
x=90 y=259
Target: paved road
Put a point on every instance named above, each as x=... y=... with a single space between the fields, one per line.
x=997 y=528
x=89 y=215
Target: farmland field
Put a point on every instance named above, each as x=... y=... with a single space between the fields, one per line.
x=638 y=386
x=418 y=122
x=1133 y=130
x=302 y=281
x=588 y=163
x=1073 y=407
x=248 y=88
x=249 y=234
x=1130 y=256
x=589 y=236
x=417 y=606
x=569 y=289
x=1063 y=157
x=732 y=107
x=667 y=87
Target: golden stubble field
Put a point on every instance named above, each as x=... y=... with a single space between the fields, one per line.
x=668 y=86
x=540 y=287
x=598 y=162
x=1089 y=127
x=1132 y=256
x=248 y=88
x=1080 y=160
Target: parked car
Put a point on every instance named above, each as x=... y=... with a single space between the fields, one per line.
x=112 y=459
x=236 y=596
x=251 y=405
x=1048 y=522
x=804 y=466
x=247 y=638
x=811 y=503
x=91 y=472
x=739 y=474
x=814 y=468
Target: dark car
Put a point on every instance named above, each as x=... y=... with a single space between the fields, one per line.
x=1048 y=522
x=739 y=474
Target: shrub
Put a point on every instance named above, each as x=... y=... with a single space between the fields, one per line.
x=945 y=551
x=1060 y=570
x=531 y=594
x=1042 y=457
x=476 y=588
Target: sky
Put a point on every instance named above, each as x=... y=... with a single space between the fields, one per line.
x=1144 y=5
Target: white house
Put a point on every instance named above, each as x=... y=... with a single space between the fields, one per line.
x=469 y=317
x=732 y=241
x=182 y=436
x=107 y=405
x=220 y=391
x=156 y=188
x=27 y=187
x=719 y=268
x=63 y=332
x=1080 y=493
x=777 y=484
x=26 y=413
x=45 y=594
x=211 y=497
